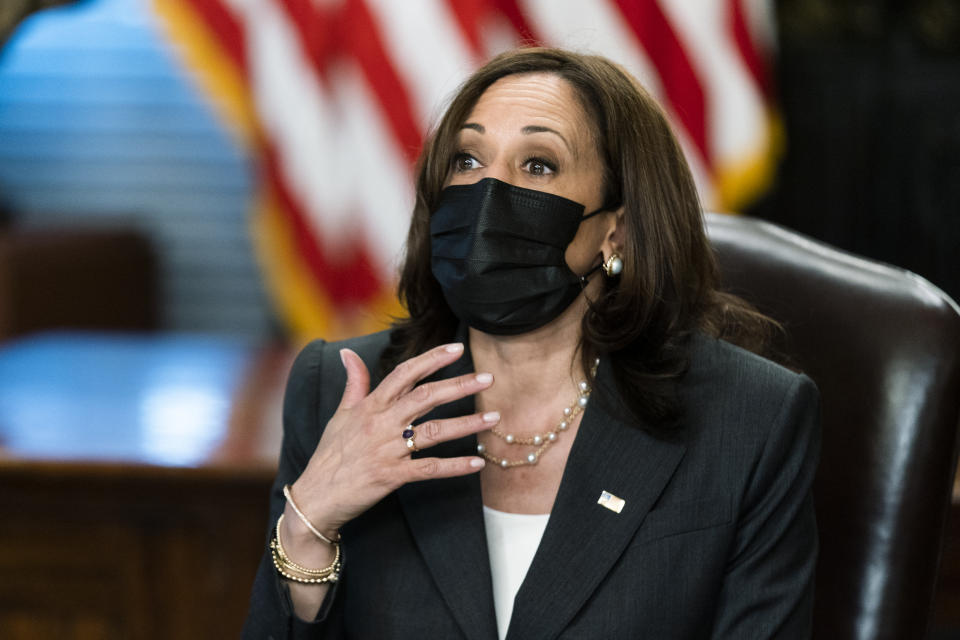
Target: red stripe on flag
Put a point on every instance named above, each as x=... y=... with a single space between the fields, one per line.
x=313 y=29
x=471 y=15
x=226 y=28
x=746 y=45
x=680 y=82
x=511 y=9
x=351 y=31
x=350 y=277
x=360 y=36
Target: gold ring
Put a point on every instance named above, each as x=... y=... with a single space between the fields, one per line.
x=408 y=435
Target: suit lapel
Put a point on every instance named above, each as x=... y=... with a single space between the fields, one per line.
x=583 y=539
x=446 y=519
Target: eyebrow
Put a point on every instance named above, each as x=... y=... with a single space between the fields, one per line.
x=527 y=130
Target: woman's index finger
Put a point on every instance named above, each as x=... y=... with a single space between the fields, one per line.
x=408 y=373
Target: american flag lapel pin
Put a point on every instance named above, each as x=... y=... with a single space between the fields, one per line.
x=612 y=502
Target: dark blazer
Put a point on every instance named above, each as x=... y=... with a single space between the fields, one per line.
x=717 y=538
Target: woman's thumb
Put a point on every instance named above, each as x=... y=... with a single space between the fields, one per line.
x=358 y=379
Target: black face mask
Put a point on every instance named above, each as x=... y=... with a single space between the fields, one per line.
x=498 y=254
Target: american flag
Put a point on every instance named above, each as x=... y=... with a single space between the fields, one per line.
x=335 y=97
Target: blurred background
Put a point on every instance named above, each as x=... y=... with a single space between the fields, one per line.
x=190 y=189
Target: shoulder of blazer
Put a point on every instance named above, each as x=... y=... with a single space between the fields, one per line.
x=738 y=402
x=727 y=366
x=729 y=387
x=316 y=382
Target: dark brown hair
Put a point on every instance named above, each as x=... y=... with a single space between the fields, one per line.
x=668 y=288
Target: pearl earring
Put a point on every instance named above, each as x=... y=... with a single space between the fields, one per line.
x=613 y=266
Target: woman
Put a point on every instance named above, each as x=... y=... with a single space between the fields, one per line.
x=590 y=457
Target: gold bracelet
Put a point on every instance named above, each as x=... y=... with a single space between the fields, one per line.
x=332 y=577
x=289 y=569
x=290 y=564
x=304 y=519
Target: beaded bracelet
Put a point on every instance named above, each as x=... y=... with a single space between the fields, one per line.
x=333 y=577
x=288 y=569
x=285 y=559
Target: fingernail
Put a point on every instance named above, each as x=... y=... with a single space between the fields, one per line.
x=343 y=358
x=477 y=463
x=484 y=378
x=491 y=417
x=456 y=347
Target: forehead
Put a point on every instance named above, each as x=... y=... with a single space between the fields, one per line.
x=542 y=99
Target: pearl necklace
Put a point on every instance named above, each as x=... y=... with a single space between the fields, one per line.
x=544 y=440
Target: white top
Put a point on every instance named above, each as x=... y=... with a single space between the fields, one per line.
x=512 y=539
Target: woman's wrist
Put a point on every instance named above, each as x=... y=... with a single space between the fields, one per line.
x=301 y=544
x=307 y=522
x=296 y=572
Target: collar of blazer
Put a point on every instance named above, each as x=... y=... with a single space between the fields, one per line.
x=582 y=541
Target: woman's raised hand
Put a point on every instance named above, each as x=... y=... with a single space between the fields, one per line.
x=362 y=457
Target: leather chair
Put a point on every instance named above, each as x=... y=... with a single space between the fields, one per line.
x=883 y=345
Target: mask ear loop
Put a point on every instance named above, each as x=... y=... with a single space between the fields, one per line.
x=584 y=277
x=600 y=210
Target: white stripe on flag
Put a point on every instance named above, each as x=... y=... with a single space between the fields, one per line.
x=761 y=23
x=422 y=39
x=735 y=108
x=598 y=27
x=593 y=27
x=376 y=174
x=335 y=152
x=297 y=115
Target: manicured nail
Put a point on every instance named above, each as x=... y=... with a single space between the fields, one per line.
x=484 y=378
x=456 y=347
x=491 y=417
x=477 y=463
x=343 y=357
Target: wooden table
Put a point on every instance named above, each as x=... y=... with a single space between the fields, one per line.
x=134 y=473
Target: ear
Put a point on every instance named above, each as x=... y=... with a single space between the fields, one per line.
x=615 y=236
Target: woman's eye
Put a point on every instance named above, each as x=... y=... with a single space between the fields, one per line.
x=464 y=162
x=539 y=166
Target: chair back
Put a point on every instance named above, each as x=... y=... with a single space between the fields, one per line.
x=883 y=346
